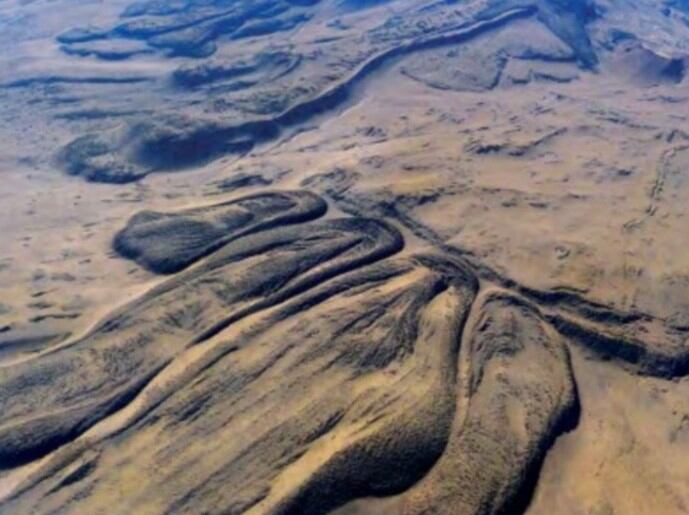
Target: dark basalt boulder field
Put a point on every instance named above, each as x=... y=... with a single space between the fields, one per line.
x=344 y=257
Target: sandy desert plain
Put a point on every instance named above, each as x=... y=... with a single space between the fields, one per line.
x=344 y=256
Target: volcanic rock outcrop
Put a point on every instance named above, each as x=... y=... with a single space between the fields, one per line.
x=304 y=367
x=358 y=257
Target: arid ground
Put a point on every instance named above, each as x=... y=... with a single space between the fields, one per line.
x=344 y=256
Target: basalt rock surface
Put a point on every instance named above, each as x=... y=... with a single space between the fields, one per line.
x=304 y=367
x=349 y=257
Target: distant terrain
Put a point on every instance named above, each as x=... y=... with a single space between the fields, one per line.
x=344 y=256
